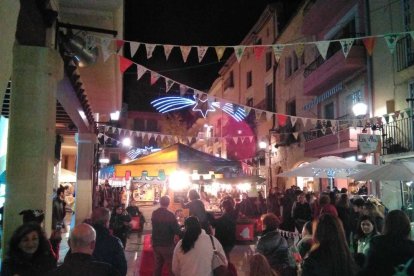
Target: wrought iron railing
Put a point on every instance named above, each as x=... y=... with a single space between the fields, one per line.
x=404 y=53
x=397 y=136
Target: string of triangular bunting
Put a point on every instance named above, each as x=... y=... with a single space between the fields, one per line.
x=280 y=118
x=322 y=46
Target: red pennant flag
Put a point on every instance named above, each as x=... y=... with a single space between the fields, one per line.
x=119 y=44
x=258 y=51
x=281 y=119
x=369 y=43
x=124 y=64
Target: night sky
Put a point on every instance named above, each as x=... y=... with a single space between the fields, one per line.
x=184 y=22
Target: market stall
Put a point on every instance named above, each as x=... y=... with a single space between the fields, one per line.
x=173 y=171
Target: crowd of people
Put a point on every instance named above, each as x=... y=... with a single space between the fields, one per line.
x=339 y=236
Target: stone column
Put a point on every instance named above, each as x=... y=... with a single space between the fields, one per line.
x=9 y=12
x=84 y=171
x=31 y=143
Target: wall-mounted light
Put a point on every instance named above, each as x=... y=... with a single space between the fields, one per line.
x=360 y=109
x=115 y=116
x=82 y=53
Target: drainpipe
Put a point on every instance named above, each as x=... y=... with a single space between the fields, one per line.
x=369 y=62
x=370 y=102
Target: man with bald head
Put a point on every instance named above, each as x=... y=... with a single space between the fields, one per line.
x=108 y=249
x=80 y=262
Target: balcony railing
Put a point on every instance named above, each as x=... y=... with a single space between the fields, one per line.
x=405 y=53
x=397 y=137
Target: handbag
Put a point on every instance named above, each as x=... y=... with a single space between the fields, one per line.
x=219 y=262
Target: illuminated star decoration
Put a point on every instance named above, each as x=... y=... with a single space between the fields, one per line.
x=202 y=105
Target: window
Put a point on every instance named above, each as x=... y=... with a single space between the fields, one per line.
x=139 y=124
x=258 y=41
x=269 y=97
x=295 y=62
x=329 y=111
x=152 y=125
x=291 y=108
x=249 y=79
x=229 y=82
x=268 y=61
x=288 y=66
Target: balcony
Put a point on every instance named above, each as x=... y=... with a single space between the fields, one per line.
x=318 y=144
x=322 y=74
x=397 y=137
x=405 y=53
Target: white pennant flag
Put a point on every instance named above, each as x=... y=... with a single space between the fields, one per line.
x=314 y=122
x=333 y=129
x=346 y=45
x=100 y=135
x=140 y=71
x=168 y=84
x=238 y=51
x=391 y=42
x=323 y=129
x=235 y=139
x=150 y=49
x=130 y=133
x=293 y=120
x=295 y=134
x=258 y=114
x=201 y=52
x=251 y=138
x=242 y=139
x=185 y=51
x=198 y=94
x=106 y=52
x=323 y=48
x=183 y=89
x=278 y=49
x=133 y=47
x=269 y=116
x=247 y=109
x=167 y=50
x=107 y=128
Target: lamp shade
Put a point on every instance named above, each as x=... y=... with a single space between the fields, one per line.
x=82 y=54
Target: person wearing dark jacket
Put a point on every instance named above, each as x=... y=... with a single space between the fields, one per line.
x=225 y=227
x=330 y=255
x=58 y=216
x=108 y=249
x=119 y=223
x=272 y=245
x=29 y=253
x=197 y=209
x=164 y=229
x=391 y=249
x=301 y=212
x=80 y=260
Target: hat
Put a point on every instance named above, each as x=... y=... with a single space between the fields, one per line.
x=32 y=216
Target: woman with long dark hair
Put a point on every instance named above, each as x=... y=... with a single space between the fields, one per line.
x=29 y=252
x=391 y=249
x=193 y=255
x=330 y=255
x=197 y=209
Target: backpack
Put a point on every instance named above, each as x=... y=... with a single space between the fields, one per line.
x=402 y=269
